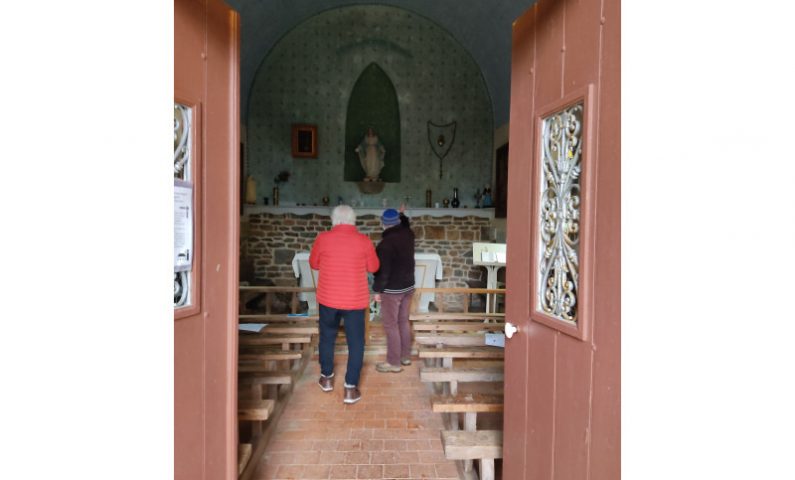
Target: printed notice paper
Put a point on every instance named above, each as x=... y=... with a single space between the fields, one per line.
x=251 y=327
x=183 y=226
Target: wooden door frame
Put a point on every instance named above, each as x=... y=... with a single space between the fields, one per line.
x=206 y=74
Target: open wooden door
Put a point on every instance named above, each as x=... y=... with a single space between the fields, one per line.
x=562 y=368
x=206 y=103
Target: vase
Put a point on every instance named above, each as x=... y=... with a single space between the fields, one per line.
x=251 y=190
x=455 y=203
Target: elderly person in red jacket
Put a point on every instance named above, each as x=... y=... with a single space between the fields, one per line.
x=343 y=256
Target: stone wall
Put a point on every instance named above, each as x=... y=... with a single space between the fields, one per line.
x=272 y=240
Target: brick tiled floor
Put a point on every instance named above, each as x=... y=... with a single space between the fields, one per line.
x=390 y=433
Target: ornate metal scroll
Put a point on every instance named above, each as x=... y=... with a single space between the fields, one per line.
x=182 y=141
x=559 y=213
x=181 y=288
x=182 y=171
x=441 y=138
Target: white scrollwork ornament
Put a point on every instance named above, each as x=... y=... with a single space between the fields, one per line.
x=182 y=171
x=181 y=289
x=559 y=222
x=182 y=129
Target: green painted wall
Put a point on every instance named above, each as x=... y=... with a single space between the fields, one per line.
x=308 y=77
x=373 y=104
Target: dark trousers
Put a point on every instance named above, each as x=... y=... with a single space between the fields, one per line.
x=329 y=325
x=395 y=315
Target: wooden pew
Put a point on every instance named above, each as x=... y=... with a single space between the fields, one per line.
x=255 y=409
x=256 y=377
x=447 y=354
x=265 y=339
x=470 y=339
x=270 y=292
x=443 y=336
x=275 y=318
x=478 y=374
x=456 y=326
x=450 y=377
x=243 y=456
x=441 y=294
x=288 y=337
x=482 y=445
x=261 y=376
x=266 y=353
x=302 y=328
x=269 y=315
x=456 y=316
x=468 y=404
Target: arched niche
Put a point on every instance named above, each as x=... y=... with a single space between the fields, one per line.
x=373 y=103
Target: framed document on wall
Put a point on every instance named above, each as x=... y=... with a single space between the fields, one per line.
x=304 y=141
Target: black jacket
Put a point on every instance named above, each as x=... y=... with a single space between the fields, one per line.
x=396 y=254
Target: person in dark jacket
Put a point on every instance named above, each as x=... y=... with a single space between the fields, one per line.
x=394 y=287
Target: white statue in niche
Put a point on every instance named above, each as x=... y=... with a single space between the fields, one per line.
x=371 y=154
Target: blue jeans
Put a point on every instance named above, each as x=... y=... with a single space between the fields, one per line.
x=329 y=325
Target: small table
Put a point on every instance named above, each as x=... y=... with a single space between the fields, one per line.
x=492 y=257
x=307 y=278
x=428 y=269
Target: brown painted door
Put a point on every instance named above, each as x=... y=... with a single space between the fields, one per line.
x=562 y=368
x=205 y=330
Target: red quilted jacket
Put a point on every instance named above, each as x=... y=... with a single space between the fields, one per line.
x=343 y=256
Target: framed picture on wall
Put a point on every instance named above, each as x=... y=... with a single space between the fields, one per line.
x=304 y=141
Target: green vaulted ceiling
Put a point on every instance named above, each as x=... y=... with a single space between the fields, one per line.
x=482 y=27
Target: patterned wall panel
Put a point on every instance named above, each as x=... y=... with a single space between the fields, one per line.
x=308 y=78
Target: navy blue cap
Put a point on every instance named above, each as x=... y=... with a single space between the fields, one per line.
x=390 y=217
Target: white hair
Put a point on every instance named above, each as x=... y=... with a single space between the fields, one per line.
x=343 y=215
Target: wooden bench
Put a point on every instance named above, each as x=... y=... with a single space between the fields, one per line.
x=470 y=404
x=270 y=293
x=482 y=445
x=256 y=377
x=456 y=316
x=479 y=374
x=456 y=326
x=446 y=335
x=243 y=456
x=266 y=353
x=267 y=339
x=275 y=318
x=470 y=339
x=450 y=377
x=255 y=409
x=250 y=383
x=447 y=354
x=287 y=337
x=443 y=294
x=291 y=329
x=265 y=377
x=467 y=403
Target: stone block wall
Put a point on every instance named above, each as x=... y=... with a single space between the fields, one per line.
x=272 y=240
